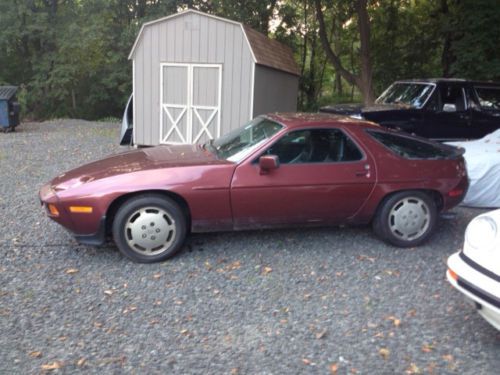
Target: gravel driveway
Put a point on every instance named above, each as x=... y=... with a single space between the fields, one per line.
x=320 y=301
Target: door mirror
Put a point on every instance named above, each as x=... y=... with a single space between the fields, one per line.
x=448 y=107
x=268 y=162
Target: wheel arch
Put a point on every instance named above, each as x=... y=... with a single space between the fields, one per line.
x=120 y=200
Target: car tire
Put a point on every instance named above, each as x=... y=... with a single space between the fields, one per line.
x=406 y=219
x=149 y=228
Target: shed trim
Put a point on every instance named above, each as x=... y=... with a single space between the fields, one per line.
x=144 y=25
x=134 y=100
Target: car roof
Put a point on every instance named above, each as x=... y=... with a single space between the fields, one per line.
x=303 y=119
x=449 y=80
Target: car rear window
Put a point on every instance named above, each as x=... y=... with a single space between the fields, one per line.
x=489 y=97
x=409 y=148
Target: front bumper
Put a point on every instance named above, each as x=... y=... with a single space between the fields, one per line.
x=89 y=229
x=94 y=239
x=477 y=285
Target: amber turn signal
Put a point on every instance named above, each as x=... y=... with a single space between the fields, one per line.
x=81 y=209
x=452 y=274
x=53 y=210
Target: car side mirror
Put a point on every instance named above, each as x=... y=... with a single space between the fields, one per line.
x=448 y=107
x=268 y=162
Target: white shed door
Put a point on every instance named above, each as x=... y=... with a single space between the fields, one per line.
x=190 y=97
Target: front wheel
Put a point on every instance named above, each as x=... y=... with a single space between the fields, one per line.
x=406 y=219
x=149 y=228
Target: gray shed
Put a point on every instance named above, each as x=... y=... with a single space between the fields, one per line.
x=198 y=76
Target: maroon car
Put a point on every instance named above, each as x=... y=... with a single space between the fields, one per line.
x=277 y=170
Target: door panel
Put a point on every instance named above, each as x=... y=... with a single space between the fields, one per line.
x=174 y=104
x=299 y=193
x=190 y=101
x=443 y=125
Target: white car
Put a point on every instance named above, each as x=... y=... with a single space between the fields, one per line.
x=475 y=271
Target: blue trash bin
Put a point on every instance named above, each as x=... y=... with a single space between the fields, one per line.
x=9 y=108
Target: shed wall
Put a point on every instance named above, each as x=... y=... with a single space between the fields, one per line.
x=275 y=91
x=191 y=38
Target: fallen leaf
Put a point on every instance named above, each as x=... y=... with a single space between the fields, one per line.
x=235 y=265
x=305 y=361
x=52 y=366
x=71 y=271
x=266 y=270
x=35 y=354
x=448 y=357
x=413 y=369
x=81 y=362
x=427 y=348
x=108 y=292
x=156 y=275
x=365 y=257
x=334 y=368
x=395 y=321
x=321 y=334
x=384 y=353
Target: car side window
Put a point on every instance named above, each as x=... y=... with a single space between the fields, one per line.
x=315 y=146
x=452 y=96
x=489 y=97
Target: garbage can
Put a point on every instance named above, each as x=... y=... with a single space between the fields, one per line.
x=9 y=108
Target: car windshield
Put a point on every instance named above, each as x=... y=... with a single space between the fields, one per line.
x=411 y=94
x=241 y=142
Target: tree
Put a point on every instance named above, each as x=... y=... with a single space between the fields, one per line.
x=363 y=80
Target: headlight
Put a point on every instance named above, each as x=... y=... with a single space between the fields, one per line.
x=481 y=233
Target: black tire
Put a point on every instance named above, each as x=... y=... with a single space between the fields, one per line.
x=406 y=219
x=149 y=228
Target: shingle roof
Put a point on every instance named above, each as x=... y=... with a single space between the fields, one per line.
x=266 y=51
x=7 y=92
x=270 y=52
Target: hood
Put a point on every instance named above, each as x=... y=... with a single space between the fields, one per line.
x=359 y=109
x=137 y=160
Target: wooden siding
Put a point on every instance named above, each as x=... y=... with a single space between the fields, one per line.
x=275 y=91
x=192 y=38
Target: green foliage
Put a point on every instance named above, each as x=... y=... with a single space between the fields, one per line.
x=70 y=57
x=475 y=43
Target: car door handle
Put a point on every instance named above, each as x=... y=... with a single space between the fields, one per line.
x=365 y=173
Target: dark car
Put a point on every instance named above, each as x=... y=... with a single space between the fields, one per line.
x=440 y=109
x=277 y=170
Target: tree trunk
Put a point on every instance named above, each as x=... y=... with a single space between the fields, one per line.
x=364 y=80
x=365 y=83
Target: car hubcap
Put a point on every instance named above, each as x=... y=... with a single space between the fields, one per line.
x=150 y=230
x=409 y=218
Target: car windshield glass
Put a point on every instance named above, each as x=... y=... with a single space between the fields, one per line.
x=239 y=143
x=407 y=93
x=409 y=148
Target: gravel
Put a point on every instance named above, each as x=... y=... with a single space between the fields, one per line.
x=266 y=302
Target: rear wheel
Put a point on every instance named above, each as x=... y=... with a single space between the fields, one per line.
x=406 y=218
x=149 y=228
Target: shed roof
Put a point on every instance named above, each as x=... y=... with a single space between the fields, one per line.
x=265 y=51
x=7 y=92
